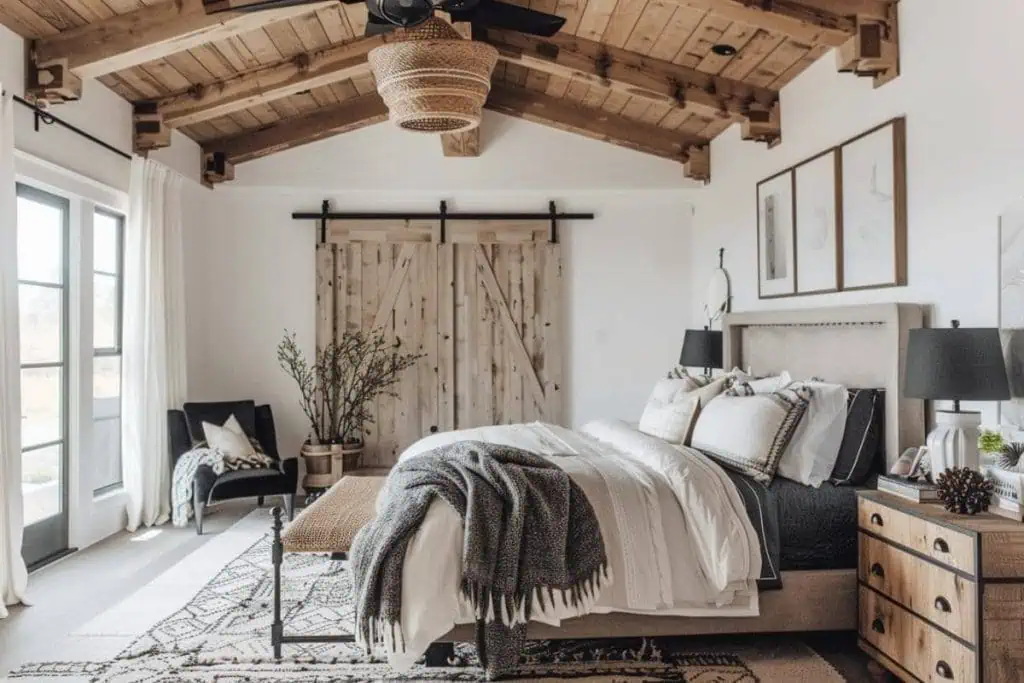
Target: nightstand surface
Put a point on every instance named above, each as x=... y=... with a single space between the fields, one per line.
x=941 y=595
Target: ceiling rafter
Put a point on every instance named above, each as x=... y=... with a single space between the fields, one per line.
x=306 y=71
x=127 y=40
x=634 y=74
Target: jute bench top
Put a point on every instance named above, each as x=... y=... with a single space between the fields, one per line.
x=331 y=522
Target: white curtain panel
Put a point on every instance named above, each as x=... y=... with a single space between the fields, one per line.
x=13 y=575
x=153 y=375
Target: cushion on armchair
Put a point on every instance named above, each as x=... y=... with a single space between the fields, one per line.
x=218 y=413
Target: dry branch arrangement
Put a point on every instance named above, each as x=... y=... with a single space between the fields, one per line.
x=345 y=376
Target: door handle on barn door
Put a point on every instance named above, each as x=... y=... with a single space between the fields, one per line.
x=433 y=429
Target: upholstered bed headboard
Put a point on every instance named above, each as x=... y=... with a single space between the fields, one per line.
x=858 y=346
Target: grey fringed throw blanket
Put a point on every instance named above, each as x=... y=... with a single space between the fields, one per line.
x=530 y=532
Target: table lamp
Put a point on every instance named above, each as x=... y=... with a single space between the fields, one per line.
x=702 y=349
x=957 y=364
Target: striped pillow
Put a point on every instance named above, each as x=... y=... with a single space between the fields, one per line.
x=692 y=382
x=748 y=432
x=863 y=437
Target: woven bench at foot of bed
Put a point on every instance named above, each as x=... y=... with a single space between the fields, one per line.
x=330 y=524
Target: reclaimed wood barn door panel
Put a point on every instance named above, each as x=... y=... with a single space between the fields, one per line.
x=483 y=307
x=383 y=276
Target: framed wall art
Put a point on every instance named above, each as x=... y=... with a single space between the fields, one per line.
x=837 y=221
x=776 y=253
x=818 y=240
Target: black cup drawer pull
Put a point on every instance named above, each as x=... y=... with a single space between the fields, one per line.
x=876 y=519
x=944 y=670
x=940 y=546
x=942 y=604
x=877 y=570
x=878 y=626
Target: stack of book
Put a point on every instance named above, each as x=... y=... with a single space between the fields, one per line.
x=911 y=489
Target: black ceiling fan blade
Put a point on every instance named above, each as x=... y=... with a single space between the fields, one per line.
x=376 y=26
x=497 y=14
x=218 y=6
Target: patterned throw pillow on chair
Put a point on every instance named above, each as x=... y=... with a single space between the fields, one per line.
x=240 y=452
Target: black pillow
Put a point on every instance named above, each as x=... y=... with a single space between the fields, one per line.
x=863 y=438
x=218 y=413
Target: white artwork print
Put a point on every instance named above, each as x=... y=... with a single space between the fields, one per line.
x=775 y=235
x=1011 y=311
x=816 y=225
x=869 y=210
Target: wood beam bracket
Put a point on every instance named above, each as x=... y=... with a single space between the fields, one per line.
x=763 y=125
x=698 y=163
x=148 y=129
x=217 y=168
x=603 y=65
x=873 y=51
x=52 y=83
x=679 y=93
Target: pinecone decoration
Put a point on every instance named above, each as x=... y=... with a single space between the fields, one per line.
x=1010 y=457
x=964 y=491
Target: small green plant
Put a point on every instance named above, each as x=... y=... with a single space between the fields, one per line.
x=990 y=441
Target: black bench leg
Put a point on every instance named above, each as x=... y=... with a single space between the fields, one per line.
x=198 y=508
x=439 y=654
x=277 y=626
x=289 y=505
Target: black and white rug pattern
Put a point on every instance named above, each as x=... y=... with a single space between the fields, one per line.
x=222 y=635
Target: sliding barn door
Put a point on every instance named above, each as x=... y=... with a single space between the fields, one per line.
x=481 y=303
x=507 y=341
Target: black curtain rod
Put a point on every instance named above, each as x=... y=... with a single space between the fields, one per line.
x=46 y=117
x=333 y=216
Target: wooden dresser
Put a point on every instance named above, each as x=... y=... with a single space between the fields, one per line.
x=941 y=596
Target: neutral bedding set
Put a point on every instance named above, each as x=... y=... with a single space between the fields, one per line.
x=687 y=531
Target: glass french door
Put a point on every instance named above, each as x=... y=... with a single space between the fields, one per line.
x=43 y=226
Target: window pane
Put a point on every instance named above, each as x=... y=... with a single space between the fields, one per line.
x=106 y=386
x=105 y=312
x=40 y=241
x=41 y=323
x=41 y=402
x=105 y=465
x=106 y=241
x=40 y=483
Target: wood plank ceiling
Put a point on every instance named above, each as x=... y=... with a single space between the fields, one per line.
x=644 y=74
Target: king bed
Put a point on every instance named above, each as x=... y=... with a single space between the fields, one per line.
x=802 y=572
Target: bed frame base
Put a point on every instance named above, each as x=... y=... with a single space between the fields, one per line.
x=824 y=600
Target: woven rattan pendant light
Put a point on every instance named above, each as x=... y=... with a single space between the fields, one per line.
x=432 y=79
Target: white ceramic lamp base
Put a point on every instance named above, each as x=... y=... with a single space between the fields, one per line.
x=954 y=441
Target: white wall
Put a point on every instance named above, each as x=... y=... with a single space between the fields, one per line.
x=251 y=272
x=964 y=167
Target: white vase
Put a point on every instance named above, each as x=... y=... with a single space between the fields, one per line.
x=954 y=441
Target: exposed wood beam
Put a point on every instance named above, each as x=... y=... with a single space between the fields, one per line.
x=350 y=115
x=698 y=165
x=874 y=49
x=263 y=84
x=831 y=22
x=149 y=33
x=593 y=123
x=633 y=74
x=465 y=144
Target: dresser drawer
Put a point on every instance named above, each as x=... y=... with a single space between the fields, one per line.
x=942 y=544
x=937 y=594
x=919 y=648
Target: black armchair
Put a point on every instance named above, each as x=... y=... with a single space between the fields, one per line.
x=185 y=429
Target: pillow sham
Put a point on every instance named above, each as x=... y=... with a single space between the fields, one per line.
x=862 y=438
x=680 y=372
x=814 y=449
x=670 y=421
x=748 y=432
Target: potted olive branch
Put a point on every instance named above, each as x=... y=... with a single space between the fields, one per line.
x=336 y=390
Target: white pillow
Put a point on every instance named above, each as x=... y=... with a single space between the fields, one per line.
x=749 y=432
x=814 y=449
x=669 y=421
x=230 y=440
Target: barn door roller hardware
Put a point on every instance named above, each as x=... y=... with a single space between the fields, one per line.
x=443 y=215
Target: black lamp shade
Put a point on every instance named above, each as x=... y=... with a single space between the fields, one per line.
x=702 y=349
x=962 y=364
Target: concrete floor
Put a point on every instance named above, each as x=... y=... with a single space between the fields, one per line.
x=70 y=592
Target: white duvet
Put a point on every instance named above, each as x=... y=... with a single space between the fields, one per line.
x=678 y=539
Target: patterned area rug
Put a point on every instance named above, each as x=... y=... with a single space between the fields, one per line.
x=222 y=633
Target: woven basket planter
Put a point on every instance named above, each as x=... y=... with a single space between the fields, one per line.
x=433 y=80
